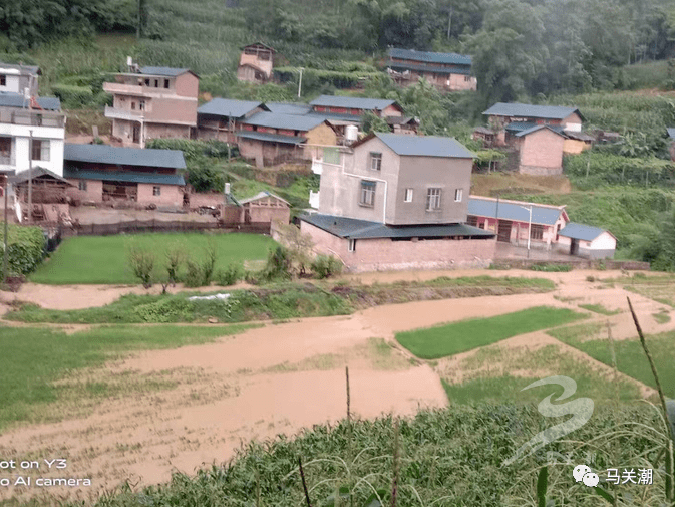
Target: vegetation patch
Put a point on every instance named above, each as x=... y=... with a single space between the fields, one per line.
x=598 y=308
x=34 y=359
x=662 y=317
x=468 y=334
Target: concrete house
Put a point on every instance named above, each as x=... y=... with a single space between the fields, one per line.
x=153 y=103
x=274 y=138
x=398 y=202
x=511 y=220
x=446 y=71
x=105 y=173
x=587 y=241
x=31 y=132
x=256 y=63
x=222 y=118
x=21 y=79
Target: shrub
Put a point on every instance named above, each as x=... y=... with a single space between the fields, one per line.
x=324 y=266
x=25 y=248
x=551 y=268
x=175 y=258
x=141 y=262
x=193 y=275
x=209 y=262
x=278 y=264
x=170 y=309
x=230 y=275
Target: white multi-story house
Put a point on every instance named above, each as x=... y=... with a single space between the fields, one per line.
x=19 y=78
x=43 y=124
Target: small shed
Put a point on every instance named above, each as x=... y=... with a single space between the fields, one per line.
x=587 y=241
x=265 y=207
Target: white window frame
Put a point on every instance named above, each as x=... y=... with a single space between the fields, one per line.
x=458 y=195
x=367 y=194
x=408 y=195
x=375 y=161
x=434 y=199
x=351 y=245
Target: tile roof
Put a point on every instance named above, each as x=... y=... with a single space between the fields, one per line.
x=303 y=123
x=228 y=107
x=361 y=229
x=101 y=154
x=530 y=110
x=519 y=126
x=12 y=99
x=164 y=71
x=429 y=68
x=288 y=107
x=428 y=56
x=272 y=138
x=427 y=146
x=512 y=210
x=261 y=195
x=352 y=102
x=125 y=176
x=580 y=231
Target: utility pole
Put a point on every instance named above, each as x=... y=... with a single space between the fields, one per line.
x=450 y=12
x=30 y=178
x=300 y=81
x=5 y=255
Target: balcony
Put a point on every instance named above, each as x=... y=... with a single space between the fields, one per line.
x=123 y=114
x=33 y=117
x=7 y=160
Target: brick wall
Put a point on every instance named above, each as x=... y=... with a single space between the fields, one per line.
x=169 y=195
x=385 y=254
x=541 y=153
x=94 y=192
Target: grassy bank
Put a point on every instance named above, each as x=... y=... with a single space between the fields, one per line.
x=279 y=301
x=34 y=358
x=468 y=334
x=103 y=259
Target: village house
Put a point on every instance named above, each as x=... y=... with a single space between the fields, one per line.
x=21 y=79
x=256 y=63
x=110 y=174
x=265 y=207
x=398 y=202
x=153 y=103
x=513 y=223
x=587 y=241
x=222 y=118
x=446 y=71
x=275 y=138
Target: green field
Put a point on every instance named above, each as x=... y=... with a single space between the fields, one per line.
x=34 y=358
x=103 y=259
x=440 y=341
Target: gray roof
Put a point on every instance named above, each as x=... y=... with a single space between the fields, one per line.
x=671 y=133
x=12 y=99
x=228 y=107
x=429 y=68
x=363 y=229
x=30 y=69
x=418 y=146
x=538 y=128
x=428 y=56
x=352 y=102
x=298 y=122
x=288 y=107
x=261 y=195
x=126 y=176
x=580 y=231
x=542 y=215
x=164 y=71
x=337 y=118
x=37 y=172
x=530 y=110
x=272 y=138
x=101 y=154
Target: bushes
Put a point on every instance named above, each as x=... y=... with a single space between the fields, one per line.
x=230 y=275
x=193 y=149
x=25 y=248
x=324 y=266
x=141 y=262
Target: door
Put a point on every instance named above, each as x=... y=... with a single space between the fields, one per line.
x=574 y=247
x=504 y=231
x=136 y=134
x=247 y=216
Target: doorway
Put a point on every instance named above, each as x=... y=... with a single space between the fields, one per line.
x=504 y=231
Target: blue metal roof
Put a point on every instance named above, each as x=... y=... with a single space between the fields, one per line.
x=518 y=212
x=580 y=231
x=337 y=117
x=538 y=128
x=164 y=71
x=272 y=138
x=13 y=99
x=519 y=126
x=288 y=107
x=228 y=107
x=427 y=146
x=125 y=176
x=429 y=68
x=531 y=110
x=362 y=229
x=302 y=123
x=101 y=154
x=352 y=102
x=428 y=56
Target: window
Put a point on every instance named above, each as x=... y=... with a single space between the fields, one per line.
x=3 y=80
x=155 y=191
x=40 y=150
x=82 y=185
x=367 y=194
x=458 y=195
x=351 y=246
x=141 y=105
x=166 y=83
x=375 y=161
x=5 y=149
x=467 y=79
x=537 y=232
x=408 y=195
x=147 y=82
x=156 y=83
x=471 y=220
x=433 y=199
x=133 y=105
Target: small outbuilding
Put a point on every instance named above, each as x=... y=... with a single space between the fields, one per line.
x=587 y=241
x=265 y=207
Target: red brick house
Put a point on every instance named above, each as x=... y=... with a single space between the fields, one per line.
x=446 y=71
x=256 y=63
x=105 y=173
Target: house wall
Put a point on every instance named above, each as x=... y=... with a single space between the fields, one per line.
x=574 y=147
x=392 y=110
x=21 y=143
x=94 y=192
x=166 y=131
x=459 y=82
x=11 y=82
x=266 y=213
x=385 y=254
x=187 y=85
x=170 y=195
x=519 y=231
x=264 y=65
x=573 y=122
x=541 y=153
